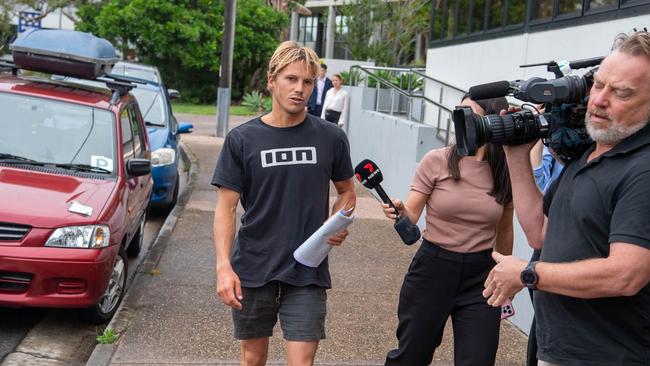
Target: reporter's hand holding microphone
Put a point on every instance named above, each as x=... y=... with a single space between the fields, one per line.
x=369 y=174
x=395 y=211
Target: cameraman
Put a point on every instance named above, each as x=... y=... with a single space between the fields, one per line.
x=593 y=303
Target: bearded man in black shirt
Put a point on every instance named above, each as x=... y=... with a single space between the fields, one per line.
x=592 y=301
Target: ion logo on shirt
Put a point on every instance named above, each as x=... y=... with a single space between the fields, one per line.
x=288 y=156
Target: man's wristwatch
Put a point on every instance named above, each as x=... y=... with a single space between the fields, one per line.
x=529 y=276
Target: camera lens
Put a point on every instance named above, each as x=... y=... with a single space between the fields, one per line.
x=473 y=131
x=520 y=128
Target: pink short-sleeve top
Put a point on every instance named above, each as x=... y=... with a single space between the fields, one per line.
x=460 y=215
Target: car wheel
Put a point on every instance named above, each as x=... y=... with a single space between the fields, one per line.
x=103 y=311
x=135 y=246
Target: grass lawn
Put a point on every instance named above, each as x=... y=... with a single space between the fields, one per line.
x=209 y=110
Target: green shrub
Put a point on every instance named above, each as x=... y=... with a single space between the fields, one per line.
x=254 y=101
x=402 y=81
x=385 y=74
x=107 y=337
x=352 y=77
x=268 y=104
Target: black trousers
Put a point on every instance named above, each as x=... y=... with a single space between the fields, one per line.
x=440 y=283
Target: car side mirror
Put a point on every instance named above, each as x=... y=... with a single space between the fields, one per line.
x=138 y=167
x=185 y=127
x=173 y=94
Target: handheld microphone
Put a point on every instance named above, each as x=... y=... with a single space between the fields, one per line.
x=369 y=174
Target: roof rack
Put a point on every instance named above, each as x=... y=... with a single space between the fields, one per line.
x=8 y=64
x=120 y=85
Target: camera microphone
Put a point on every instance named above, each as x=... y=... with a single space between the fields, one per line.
x=369 y=174
x=490 y=90
x=589 y=62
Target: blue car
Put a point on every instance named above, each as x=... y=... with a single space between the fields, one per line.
x=163 y=131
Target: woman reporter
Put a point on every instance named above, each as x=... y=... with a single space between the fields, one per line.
x=469 y=212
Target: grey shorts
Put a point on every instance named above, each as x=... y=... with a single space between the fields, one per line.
x=301 y=310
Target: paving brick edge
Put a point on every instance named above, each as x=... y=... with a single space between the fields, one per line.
x=103 y=353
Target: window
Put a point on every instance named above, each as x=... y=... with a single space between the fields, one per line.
x=307 y=29
x=600 y=4
x=138 y=134
x=127 y=135
x=436 y=26
x=495 y=14
x=52 y=131
x=151 y=105
x=516 y=12
x=469 y=20
x=569 y=6
x=541 y=9
x=478 y=16
x=451 y=20
x=463 y=18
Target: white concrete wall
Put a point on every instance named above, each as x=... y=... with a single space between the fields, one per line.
x=474 y=63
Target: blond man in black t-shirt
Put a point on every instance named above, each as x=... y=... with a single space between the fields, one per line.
x=279 y=166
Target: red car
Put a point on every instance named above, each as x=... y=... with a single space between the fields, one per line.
x=75 y=183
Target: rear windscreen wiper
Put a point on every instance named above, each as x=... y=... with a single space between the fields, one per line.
x=83 y=168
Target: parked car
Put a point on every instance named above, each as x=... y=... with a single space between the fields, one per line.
x=162 y=128
x=75 y=177
x=145 y=72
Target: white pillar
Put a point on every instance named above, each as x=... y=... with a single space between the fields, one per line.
x=331 y=23
x=293 y=31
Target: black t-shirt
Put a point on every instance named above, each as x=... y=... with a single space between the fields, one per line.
x=592 y=205
x=282 y=175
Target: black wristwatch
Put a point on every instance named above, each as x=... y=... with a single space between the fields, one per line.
x=529 y=276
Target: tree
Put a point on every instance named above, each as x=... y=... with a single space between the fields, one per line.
x=12 y=8
x=406 y=20
x=384 y=31
x=361 y=19
x=183 y=38
x=6 y=31
x=257 y=34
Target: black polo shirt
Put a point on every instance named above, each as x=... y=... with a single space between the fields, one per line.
x=592 y=205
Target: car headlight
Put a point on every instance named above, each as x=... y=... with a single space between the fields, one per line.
x=163 y=156
x=91 y=236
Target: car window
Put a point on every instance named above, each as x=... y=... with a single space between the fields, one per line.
x=138 y=133
x=140 y=73
x=56 y=132
x=151 y=105
x=127 y=135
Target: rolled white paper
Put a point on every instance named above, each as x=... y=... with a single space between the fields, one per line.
x=314 y=250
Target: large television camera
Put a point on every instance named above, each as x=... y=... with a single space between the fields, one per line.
x=561 y=125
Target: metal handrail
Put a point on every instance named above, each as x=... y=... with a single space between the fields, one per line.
x=408 y=94
x=398 y=89
x=417 y=71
